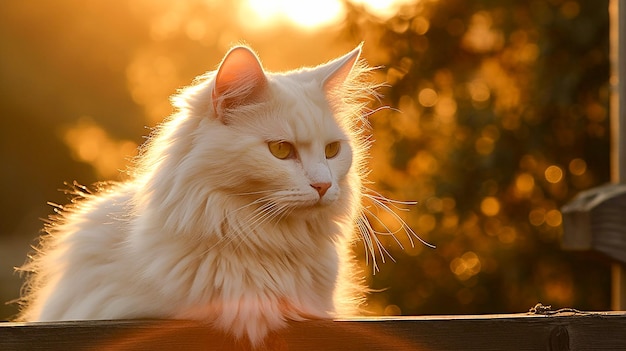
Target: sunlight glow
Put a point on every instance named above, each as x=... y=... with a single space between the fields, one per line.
x=310 y=14
x=306 y=14
x=382 y=8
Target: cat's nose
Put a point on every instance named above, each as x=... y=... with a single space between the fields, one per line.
x=321 y=188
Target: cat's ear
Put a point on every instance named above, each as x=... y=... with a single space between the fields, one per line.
x=338 y=70
x=239 y=81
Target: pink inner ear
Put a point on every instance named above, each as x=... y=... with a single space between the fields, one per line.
x=240 y=80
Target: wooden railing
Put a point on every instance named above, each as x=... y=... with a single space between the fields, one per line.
x=542 y=330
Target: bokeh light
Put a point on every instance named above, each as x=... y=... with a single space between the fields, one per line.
x=92 y=144
x=554 y=174
x=466 y=266
x=578 y=166
x=427 y=97
x=490 y=206
x=524 y=184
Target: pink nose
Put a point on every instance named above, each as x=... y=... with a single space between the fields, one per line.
x=321 y=188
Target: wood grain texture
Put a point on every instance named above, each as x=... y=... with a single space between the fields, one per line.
x=563 y=331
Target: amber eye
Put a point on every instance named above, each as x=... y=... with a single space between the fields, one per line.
x=281 y=149
x=332 y=149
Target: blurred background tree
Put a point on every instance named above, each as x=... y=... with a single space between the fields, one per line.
x=500 y=116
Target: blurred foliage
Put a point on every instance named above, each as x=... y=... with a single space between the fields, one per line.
x=500 y=116
x=503 y=118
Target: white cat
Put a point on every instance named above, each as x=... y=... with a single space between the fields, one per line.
x=241 y=209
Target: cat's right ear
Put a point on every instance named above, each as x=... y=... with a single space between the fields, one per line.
x=239 y=81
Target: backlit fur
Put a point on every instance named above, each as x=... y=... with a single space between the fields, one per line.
x=211 y=225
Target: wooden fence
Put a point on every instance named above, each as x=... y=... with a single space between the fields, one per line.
x=543 y=330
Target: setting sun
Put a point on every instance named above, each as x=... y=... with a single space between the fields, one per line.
x=309 y=15
x=304 y=14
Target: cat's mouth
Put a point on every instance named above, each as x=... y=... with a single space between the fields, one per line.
x=317 y=204
x=307 y=206
x=299 y=203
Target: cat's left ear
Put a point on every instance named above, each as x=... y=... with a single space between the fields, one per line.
x=339 y=69
x=240 y=81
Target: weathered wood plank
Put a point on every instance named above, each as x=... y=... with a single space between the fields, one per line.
x=563 y=331
x=595 y=219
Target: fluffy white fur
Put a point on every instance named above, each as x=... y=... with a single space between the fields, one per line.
x=214 y=227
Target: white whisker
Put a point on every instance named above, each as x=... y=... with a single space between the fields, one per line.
x=381 y=248
x=266 y=212
x=387 y=231
x=376 y=195
x=363 y=226
x=369 y=235
x=403 y=225
x=407 y=229
x=253 y=193
x=367 y=114
x=253 y=220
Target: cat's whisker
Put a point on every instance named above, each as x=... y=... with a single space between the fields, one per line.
x=381 y=203
x=285 y=211
x=239 y=232
x=260 y=219
x=260 y=214
x=280 y=212
x=210 y=248
x=262 y=200
x=393 y=203
x=387 y=231
x=253 y=193
x=376 y=195
x=367 y=114
x=222 y=239
x=381 y=248
x=370 y=238
x=263 y=214
x=231 y=214
x=370 y=235
x=364 y=228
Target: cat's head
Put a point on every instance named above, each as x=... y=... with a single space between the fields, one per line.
x=289 y=142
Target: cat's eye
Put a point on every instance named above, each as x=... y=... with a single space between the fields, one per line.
x=281 y=149
x=332 y=149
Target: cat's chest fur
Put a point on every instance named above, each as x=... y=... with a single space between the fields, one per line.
x=292 y=259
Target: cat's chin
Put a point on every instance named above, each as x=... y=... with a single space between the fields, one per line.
x=313 y=208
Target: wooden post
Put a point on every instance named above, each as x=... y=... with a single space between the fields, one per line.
x=617 y=17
